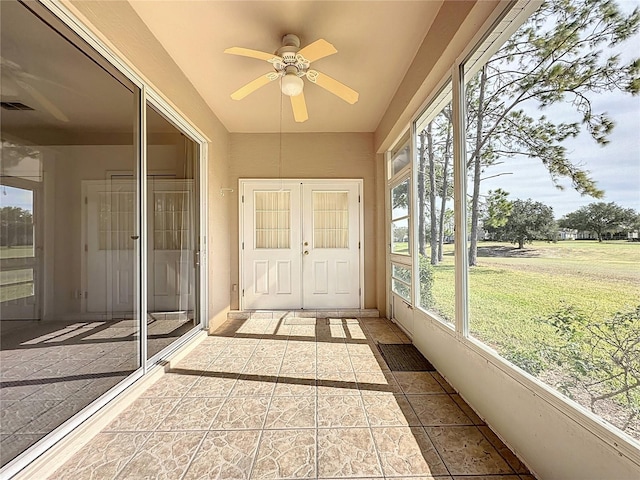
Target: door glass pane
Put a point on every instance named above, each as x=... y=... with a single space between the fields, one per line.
x=400 y=238
x=330 y=220
x=401 y=280
x=273 y=219
x=172 y=239
x=68 y=269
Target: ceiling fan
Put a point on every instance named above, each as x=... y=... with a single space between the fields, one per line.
x=15 y=80
x=291 y=63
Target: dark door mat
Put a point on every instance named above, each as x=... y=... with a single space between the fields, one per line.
x=404 y=357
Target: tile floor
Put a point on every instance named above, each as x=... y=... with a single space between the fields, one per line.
x=289 y=398
x=49 y=371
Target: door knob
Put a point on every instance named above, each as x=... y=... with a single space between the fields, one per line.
x=306 y=252
x=306 y=243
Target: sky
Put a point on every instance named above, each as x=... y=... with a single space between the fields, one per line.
x=615 y=167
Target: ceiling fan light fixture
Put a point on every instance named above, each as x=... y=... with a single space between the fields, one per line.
x=291 y=84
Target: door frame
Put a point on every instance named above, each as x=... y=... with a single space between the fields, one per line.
x=315 y=180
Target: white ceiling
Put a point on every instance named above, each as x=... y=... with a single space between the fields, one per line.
x=376 y=42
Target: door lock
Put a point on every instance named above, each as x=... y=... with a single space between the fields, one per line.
x=306 y=244
x=306 y=252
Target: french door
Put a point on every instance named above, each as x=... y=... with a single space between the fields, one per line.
x=110 y=240
x=300 y=244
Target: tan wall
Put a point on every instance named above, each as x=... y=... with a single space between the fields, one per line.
x=307 y=155
x=118 y=25
x=452 y=30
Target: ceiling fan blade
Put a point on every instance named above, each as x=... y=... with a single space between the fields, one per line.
x=251 y=87
x=340 y=89
x=299 y=107
x=42 y=100
x=246 y=52
x=317 y=50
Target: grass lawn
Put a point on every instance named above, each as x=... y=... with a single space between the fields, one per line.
x=512 y=291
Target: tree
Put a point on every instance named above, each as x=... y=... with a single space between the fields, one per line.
x=435 y=147
x=527 y=221
x=554 y=57
x=600 y=218
x=16 y=227
x=498 y=210
x=600 y=356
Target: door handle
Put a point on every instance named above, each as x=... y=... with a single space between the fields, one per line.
x=306 y=252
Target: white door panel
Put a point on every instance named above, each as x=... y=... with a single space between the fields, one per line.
x=109 y=247
x=300 y=244
x=271 y=245
x=331 y=240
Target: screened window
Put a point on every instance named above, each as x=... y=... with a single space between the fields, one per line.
x=550 y=288
x=434 y=236
x=400 y=208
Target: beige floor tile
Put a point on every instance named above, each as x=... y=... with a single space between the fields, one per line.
x=464 y=406
x=418 y=382
x=465 y=451
x=300 y=348
x=347 y=453
x=443 y=383
x=250 y=385
x=192 y=413
x=368 y=363
x=332 y=349
x=144 y=414
x=225 y=455
x=437 y=409
x=338 y=383
x=296 y=385
x=330 y=364
x=286 y=454
x=103 y=457
x=341 y=411
x=171 y=385
x=377 y=383
x=487 y=477
x=389 y=410
x=406 y=451
x=215 y=385
x=228 y=365
x=291 y=412
x=506 y=453
x=360 y=349
x=165 y=455
x=241 y=413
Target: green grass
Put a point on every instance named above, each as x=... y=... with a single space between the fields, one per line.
x=512 y=292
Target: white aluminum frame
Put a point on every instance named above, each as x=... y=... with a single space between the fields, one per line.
x=623 y=443
x=150 y=96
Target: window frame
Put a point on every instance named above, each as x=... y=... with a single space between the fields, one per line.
x=57 y=16
x=509 y=16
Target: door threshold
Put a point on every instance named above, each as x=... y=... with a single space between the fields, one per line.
x=312 y=313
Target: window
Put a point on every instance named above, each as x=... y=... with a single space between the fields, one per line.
x=550 y=285
x=434 y=236
x=400 y=157
x=401 y=281
x=400 y=206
